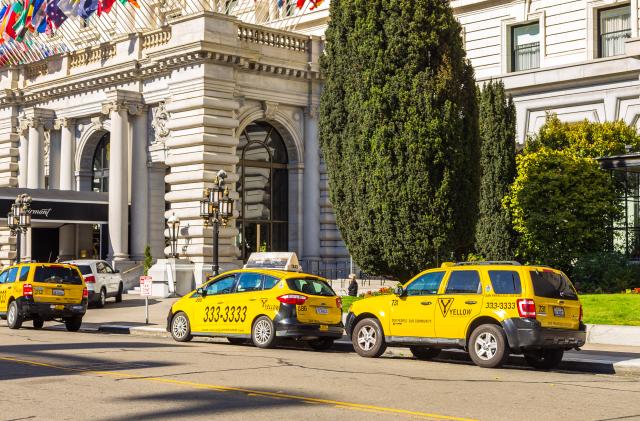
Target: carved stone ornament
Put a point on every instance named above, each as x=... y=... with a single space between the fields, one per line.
x=61 y=122
x=25 y=123
x=159 y=123
x=270 y=109
x=97 y=122
x=46 y=150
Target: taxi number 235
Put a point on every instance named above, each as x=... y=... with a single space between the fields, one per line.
x=226 y=314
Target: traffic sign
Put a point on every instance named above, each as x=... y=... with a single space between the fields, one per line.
x=145 y=285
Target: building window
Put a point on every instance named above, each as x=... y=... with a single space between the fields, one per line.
x=100 y=176
x=263 y=189
x=614 y=27
x=626 y=238
x=525 y=50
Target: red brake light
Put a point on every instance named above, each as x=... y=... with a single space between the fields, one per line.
x=527 y=308
x=339 y=302
x=90 y=279
x=27 y=290
x=295 y=299
x=85 y=292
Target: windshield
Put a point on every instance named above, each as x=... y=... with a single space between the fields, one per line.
x=549 y=284
x=57 y=275
x=311 y=286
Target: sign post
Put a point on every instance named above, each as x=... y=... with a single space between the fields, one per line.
x=145 y=290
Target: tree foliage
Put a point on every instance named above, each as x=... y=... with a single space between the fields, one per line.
x=495 y=237
x=562 y=204
x=399 y=133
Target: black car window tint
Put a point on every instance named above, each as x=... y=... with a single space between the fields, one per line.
x=463 y=282
x=505 y=281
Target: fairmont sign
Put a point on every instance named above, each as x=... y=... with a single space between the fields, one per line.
x=52 y=211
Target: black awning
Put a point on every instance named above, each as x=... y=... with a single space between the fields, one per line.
x=60 y=205
x=629 y=162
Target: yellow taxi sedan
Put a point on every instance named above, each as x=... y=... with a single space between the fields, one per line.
x=262 y=305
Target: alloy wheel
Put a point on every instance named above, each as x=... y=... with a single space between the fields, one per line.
x=262 y=332
x=179 y=326
x=11 y=317
x=486 y=346
x=367 y=338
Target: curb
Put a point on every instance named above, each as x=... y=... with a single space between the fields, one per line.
x=629 y=367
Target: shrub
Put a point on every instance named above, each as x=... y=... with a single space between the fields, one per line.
x=605 y=272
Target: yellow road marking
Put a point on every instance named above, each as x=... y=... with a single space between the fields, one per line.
x=249 y=392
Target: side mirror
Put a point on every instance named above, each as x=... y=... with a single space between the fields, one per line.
x=202 y=292
x=399 y=291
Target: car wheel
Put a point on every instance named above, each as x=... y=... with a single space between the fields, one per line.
x=236 y=341
x=263 y=333
x=544 y=359
x=368 y=339
x=102 y=299
x=73 y=323
x=181 y=328
x=321 y=344
x=488 y=346
x=14 y=320
x=119 y=295
x=38 y=323
x=424 y=353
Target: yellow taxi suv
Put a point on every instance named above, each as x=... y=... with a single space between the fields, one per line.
x=267 y=300
x=42 y=292
x=490 y=309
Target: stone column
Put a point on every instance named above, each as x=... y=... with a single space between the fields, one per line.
x=67 y=152
x=23 y=153
x=139 y=186
x=311 y=189
x=117 y=109
x=37 y=120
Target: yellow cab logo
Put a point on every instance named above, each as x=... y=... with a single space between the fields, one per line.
x=445 y=305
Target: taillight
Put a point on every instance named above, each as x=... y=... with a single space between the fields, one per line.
x=90 y=279
x=85 y=292
x=580 y=312
x=27 y=290
x=527 y=308
x=339 y=302
x=292 y=299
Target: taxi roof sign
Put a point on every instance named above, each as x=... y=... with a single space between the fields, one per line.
x=274 y=260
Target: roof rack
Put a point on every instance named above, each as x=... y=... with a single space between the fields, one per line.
x=490 y=262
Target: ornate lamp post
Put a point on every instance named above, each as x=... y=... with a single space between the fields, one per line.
x=173 y=223
x=19 y=219
x=216 y=207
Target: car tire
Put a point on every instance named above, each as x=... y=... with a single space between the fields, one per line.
x=14 y=319
x=237 y=341
x=544 y=359
x=102 y=298
x=181 y=327
x=488 y=347
x=73 y=324
x=321 y=344
x=263 y=333
x=119 y=294
x=368 y=339
x=424 y=353
x=38 y=323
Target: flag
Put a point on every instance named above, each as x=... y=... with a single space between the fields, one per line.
x=300 y=4
x=280 y=4
x=55 y=16
x=16 y=10
x=20 y=26
x=38 y=15
x=88 y=8
x=104 y=6
x=315 y=4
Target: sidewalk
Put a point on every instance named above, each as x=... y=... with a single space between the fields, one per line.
x=128 y=317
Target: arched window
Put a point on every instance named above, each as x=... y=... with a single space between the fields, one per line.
x=263 y=187
x=100 y=166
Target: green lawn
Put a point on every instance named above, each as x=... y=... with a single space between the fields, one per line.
x=611 y=309
x=607 y=309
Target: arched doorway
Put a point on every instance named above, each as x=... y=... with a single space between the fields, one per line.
x=100 y=165
x=263 y=188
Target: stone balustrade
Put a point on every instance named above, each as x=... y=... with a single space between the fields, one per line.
x=271 y=37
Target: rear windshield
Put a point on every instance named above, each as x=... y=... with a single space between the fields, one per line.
x=85 y=270
x=552 y=285
x=57 y=275
x=311 y=286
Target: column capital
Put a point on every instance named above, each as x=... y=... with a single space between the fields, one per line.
x=36 y=117
x=61 y=122
x=118 y=100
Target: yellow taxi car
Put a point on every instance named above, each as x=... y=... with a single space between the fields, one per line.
x=267 y=300
x=490 y=309
x=41 y=292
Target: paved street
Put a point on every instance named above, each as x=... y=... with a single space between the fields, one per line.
x=102 y=376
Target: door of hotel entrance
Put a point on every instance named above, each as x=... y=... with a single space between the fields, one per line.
x=44 y=244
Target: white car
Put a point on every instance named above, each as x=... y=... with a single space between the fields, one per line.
x=101 y=279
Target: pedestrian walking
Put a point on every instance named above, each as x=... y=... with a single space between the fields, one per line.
x=353 y=286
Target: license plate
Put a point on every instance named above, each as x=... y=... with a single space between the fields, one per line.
x=322 y=310
x=324 y=327
x=558 y=311
x=58 y=292
x=57 y=307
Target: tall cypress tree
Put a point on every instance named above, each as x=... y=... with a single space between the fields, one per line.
x=399 y=133
x=495 y=237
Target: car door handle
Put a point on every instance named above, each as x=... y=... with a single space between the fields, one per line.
x=220 y=302
x=426 y=303
x=471 y=302
x=252 y=299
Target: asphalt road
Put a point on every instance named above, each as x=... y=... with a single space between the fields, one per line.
x=55 y=375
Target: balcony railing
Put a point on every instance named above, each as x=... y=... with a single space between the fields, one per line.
x=612 y=43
